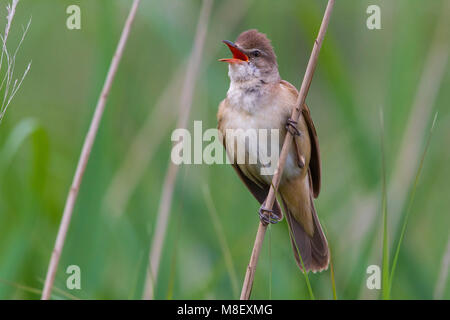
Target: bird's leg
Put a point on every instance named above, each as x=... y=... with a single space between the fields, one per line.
x=291 y=126
x=267 y=216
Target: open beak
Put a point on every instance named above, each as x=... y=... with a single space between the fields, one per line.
x=238 y=55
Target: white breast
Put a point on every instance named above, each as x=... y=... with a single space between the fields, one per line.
x=250 y=109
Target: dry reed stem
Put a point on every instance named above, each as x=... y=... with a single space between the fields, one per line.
x=185 y=104
x=249 y=276
x=85 y=153
x=151 y=134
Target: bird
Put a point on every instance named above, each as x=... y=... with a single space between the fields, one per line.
x=257 y=99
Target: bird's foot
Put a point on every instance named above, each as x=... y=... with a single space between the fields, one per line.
x=291 y=126
x=267 y=216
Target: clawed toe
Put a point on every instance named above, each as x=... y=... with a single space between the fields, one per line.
x=267 y=216
x=291 y=126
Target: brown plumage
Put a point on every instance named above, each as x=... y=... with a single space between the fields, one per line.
x=259 y=99
x=251 y=39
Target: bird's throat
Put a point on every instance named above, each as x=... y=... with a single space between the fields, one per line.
x=247 y=95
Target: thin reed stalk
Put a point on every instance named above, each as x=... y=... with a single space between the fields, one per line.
x=250 y=274
x=85 y=153
x=162 y=217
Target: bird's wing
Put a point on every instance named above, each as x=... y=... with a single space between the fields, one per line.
x=260 y=193
x=314 y=163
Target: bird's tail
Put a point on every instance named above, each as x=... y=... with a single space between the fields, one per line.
x=313 y=250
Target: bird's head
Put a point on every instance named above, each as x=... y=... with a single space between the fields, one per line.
x=253 y=58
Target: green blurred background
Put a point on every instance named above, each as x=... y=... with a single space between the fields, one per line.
x=360 y=72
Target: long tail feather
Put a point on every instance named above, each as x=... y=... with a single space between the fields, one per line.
x=314 y=251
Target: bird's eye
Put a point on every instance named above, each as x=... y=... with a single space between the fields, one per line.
x=256 y=53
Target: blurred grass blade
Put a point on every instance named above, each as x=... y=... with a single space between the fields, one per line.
x=358 y=271
x=385 y=266
x=305 y=273
x=21 y=287
x=21 y=132
x=333 y=280
x=173 y=263
x=28 y=130
x=134 y=284
x=222 y=240
x=443 y=274
x=332 y=276
x=411 y=201
x=36 y=290
x=64 y=294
